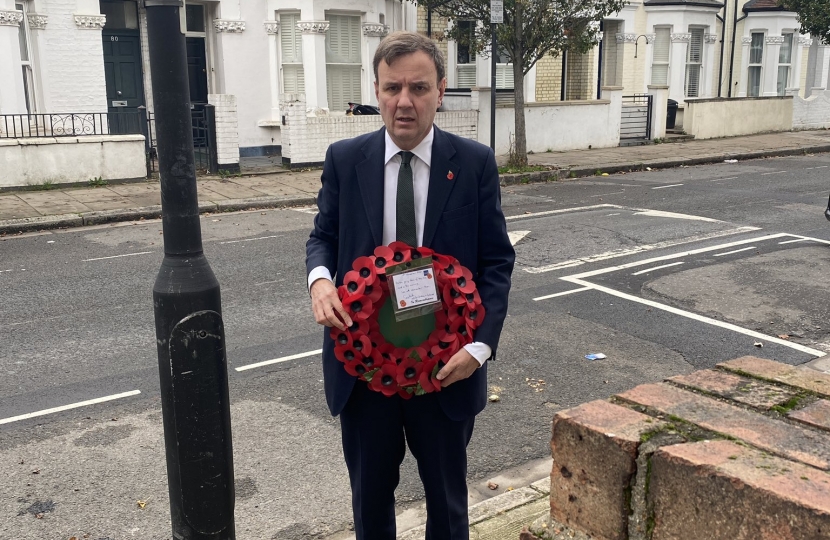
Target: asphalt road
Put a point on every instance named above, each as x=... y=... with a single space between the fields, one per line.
x=664 y=272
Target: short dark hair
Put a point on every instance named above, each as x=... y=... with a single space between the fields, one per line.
x=401 y=43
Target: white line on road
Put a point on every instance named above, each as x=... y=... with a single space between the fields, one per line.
x=647 y=270
x=563 y=211
x=664 y=187
x=68 y=407
x=117 y=256
x=696 y=317
x=673 y=215
x=278 y=360
x=721 y=179
x=734 y=251
x=250 y=239
x=819 y=240
x=516 y=236
x=606 y=194
x=773 y=172
x=639 y=249
x=561 y=294
x=791 y=241
x=823 y=167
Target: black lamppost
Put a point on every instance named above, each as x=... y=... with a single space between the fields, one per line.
x=189 y=331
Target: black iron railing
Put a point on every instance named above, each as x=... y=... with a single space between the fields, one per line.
x=636 y=116
x=20 y=126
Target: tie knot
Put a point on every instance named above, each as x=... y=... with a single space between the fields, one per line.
x=405 y=157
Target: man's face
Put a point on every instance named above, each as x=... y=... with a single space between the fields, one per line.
x=408 y=95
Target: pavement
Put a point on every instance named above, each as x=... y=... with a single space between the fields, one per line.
x=263 y=184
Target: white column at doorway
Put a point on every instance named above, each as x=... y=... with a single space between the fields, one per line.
x=314 y=63
x=677 y=67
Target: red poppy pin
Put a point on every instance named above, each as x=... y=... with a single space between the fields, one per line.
x=450 y=175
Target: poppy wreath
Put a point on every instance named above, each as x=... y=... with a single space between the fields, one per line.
x=405 y=371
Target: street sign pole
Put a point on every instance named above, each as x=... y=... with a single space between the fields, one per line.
x=496 y=17
x=189 y=330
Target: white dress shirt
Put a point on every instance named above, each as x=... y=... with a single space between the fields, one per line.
x=420 y=164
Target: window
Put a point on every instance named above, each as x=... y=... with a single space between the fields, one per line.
x=291 y=49
x=660 y=61
x=26 y=60
x=785 y=57
x=694 y=60
x=504 y=70
x=120 y=15
x=343 y=67
x=466 y=55
x=756 y=56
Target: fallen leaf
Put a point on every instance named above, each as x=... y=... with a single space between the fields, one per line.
x=492 y=485
x=141 y=504
x=510 y=488
x=784 y=336
x=36 y=471
x=494 y=398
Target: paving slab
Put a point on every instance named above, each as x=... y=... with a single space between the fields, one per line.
x=49 y=203
x=798 y=377
x=99 y=198
x=815 y=414
x=741 y=389
x=222 y=190
x=13 y=207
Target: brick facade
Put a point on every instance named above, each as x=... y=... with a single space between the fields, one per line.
x=227 y=129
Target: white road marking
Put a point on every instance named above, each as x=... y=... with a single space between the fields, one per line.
x=696 y=317
x=615 y=214
x=516 y=236
x=639 y=249
x=278 y=360
x=647 y=270
x=664 y=187
x=117 y=256
x=306 y=209
x=791 y=241
x=561 y=293
x=721 y=179
x=734 y=251
x=774 y=172
x=823 y=167
x=673 y=215
x=68 y=407
x=606 y=194
x=563 y=211
x=819 y=240
x=673 y=256
x=268 y=282
x=249 y=239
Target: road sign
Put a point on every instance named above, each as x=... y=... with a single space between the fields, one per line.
x=496 y=11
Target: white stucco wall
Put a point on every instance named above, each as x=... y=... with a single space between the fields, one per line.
x=63 y=160
x=711 y=118
x=813 y=112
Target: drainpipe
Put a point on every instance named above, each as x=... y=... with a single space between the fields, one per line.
x=735 y=22
x=722 y=46
x=562 y=92
x=599 y=74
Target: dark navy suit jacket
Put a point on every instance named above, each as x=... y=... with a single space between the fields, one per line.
x=463 y=219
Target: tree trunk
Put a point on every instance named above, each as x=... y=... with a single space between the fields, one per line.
x=518 y=158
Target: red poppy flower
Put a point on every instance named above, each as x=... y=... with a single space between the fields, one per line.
x=475 y=316
x=346 y=353
x=473 y=299
x=460 y=328
x=405 y=394
x=356 y=368
x=383 y=380
x=463 y=281
x=358 y=306
x=340 y=337
x=383 y=258
x=441 y=261
x=408 y=371
x=400 y=252
x=363 y=345
x=450 y=295
x=417 y=253
x=427 y=382
x=374 y=292
x=354 y=284
x=365 y=267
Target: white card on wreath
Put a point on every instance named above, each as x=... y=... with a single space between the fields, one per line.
x=415 y=288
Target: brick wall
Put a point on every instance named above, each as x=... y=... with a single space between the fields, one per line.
x=549 y=78
x=305 y=138
x=581 y=81
x=71 y=62
x=227 y=130
x=439 y=26
x=812 y=113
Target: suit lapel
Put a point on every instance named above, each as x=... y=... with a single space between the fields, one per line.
x=443 y=175
x=370 y=178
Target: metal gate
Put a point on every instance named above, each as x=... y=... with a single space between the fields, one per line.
x=635 y=125
x=203 y=124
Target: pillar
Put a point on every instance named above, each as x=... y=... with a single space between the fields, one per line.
x=314 y=63
x=677 y=66
x=373 y=33
x=12 y=99
x=769 y=77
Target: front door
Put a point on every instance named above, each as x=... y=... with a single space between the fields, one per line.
x=125 y=87
x=197 y=70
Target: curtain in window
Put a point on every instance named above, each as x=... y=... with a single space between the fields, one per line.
x=343 y=67
x=291 y=46
x=756 y=56
x=660 y=62
x=784 y=62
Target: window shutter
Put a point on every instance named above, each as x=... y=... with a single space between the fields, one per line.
x=694 y=58
x=291 y=42
x=660 y=62
x=504 y=75
x=343 y=65
x=293 y=79
x=466 y=75
x=696 y=45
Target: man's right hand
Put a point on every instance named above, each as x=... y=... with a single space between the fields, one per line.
x=328 y=310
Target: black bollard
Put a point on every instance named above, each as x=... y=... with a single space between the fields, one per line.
x=189 y=330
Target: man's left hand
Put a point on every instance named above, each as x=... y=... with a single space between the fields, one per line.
x=460 y=366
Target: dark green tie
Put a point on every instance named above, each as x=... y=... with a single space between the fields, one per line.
x=405 y=204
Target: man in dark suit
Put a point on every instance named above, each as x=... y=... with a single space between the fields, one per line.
x=411 y=182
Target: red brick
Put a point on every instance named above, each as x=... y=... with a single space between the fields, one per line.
x=741 y=389
x=799 y=377
x=594 y=450
x=774 y=436
x=816 y=414
x=723 y=491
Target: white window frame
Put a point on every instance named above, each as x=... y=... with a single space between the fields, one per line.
x=659 y=62
x=283 y=19
x=782 y=89
x=758 y=66
x=30 y=83
x=466 y=71
x=187 y=34
x=694 y=64
x=337 y=99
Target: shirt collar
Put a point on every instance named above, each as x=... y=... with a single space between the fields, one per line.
x=423 y=151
